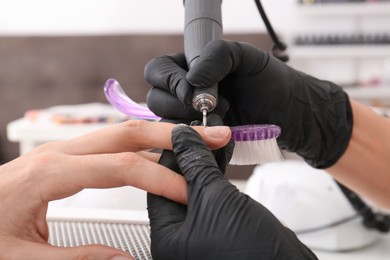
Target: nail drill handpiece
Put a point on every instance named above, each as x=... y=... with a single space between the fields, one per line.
x=203 y=23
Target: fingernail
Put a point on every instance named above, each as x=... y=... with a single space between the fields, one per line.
x=218 y=132
x=121 y=257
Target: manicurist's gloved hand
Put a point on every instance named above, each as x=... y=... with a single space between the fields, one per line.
x=315 y=115
x=219 y=222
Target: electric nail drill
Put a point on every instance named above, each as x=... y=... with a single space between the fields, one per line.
x=203 y=23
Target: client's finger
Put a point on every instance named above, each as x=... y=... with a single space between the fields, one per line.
x=154 y=157
x=108 y=171
x=134 y=135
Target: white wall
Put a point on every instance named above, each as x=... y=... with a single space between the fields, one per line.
x=154 y=16
x=59 y=17
x=116 y=16
x=75 y=17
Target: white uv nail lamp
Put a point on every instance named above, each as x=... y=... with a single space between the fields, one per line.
x=310 y=203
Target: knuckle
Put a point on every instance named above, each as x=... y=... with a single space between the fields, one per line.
x=45 y=147
x=38 y=168
x=135 y=125
x=41 y=164
x=45 y=159
x=85 y=256
x=128 y=159
x=149 y=69
x=137 y=130
x=91 y=252
x=152 y=68
x=150 y=96
x=135 y=134
x=220 y=44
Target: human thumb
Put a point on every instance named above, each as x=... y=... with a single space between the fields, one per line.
x=194 y=157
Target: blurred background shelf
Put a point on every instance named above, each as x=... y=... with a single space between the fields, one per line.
x=341 y=9
x=346 y=42
x=369 y=93
x=339 y=51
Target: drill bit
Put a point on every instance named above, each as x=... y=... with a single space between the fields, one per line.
x=204 y=121
x=204 y=103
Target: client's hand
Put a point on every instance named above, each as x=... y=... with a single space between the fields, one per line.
x=219 y=222
x=111 y=157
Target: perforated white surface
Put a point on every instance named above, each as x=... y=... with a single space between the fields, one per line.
x=131 y=237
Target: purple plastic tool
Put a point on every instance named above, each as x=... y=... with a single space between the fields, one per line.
x=118 y=99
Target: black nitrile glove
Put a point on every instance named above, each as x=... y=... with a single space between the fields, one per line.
x=315 y=115
x=219 y=222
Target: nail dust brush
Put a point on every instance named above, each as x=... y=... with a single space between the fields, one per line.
x=255 y=144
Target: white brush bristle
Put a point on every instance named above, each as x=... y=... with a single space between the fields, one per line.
x=256 y=152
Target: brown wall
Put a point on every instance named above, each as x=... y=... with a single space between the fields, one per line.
x=39 y=72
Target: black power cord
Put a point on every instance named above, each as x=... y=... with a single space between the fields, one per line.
x=279 y=48
x=371 y=219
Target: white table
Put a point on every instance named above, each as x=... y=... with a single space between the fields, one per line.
x=30 y=134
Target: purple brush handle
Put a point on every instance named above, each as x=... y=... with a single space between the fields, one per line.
x=254 y=132
x=118 y=99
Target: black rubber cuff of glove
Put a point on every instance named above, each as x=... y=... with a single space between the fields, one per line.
x=335 y=132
